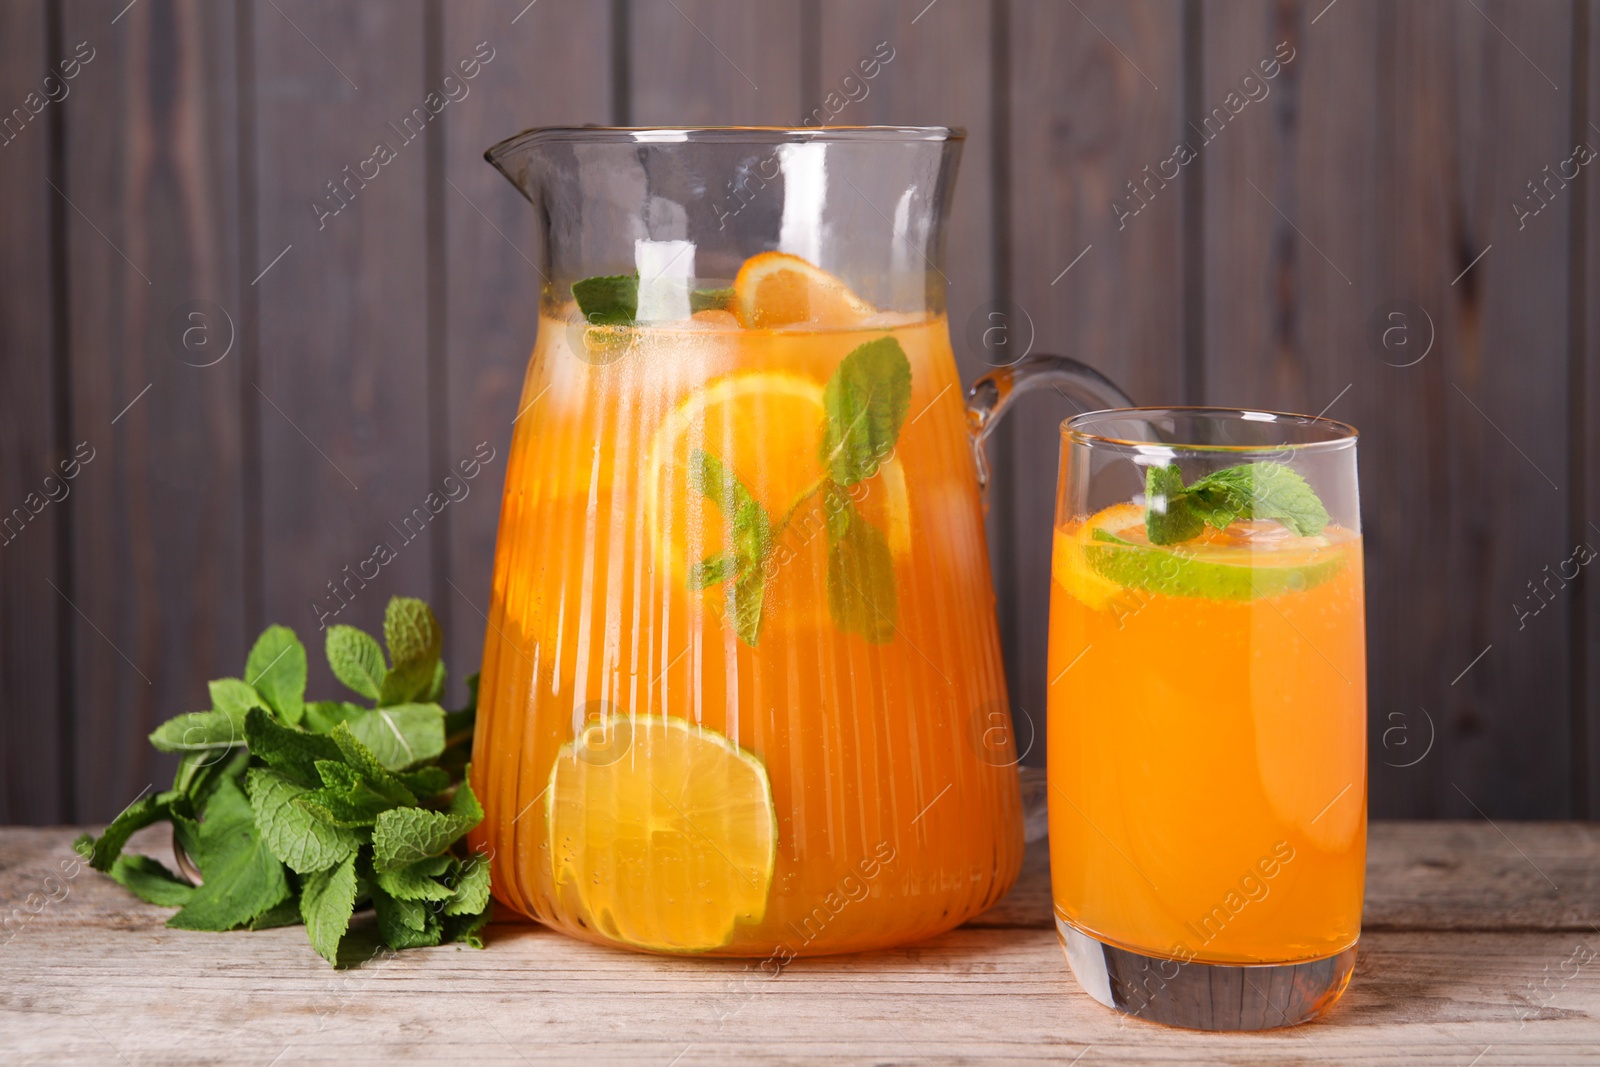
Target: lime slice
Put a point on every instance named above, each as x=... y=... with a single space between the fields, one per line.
x=1115 y=547
x=663 y=834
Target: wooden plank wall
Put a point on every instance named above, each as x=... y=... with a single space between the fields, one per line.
x=274 y=364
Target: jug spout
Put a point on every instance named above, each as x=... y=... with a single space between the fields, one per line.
x=866 y=204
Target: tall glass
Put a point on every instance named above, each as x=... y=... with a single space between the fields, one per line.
x=1207 y=702
x=742 y=664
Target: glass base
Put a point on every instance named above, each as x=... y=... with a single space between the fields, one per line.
x=1205 y=996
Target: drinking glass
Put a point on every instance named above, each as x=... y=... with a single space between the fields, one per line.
x=1207 y=714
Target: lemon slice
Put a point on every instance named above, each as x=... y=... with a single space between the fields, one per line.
x=766 y=427
x=777 y=289
x=1214 y=566
x=663 y=834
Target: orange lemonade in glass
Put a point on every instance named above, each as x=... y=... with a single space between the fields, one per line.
x=1207 y=731
x=741 y=623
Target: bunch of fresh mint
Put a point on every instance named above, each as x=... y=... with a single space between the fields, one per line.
x=304 y=812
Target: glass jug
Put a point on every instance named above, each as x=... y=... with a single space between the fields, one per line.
x=742 y=677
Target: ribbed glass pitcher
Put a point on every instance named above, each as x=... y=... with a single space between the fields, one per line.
x=742 y=690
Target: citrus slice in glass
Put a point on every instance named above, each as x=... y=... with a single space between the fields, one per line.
x=662 y=834
x=1069 y=564
x=1246 y=561
x=777 y=289
x=765 y=427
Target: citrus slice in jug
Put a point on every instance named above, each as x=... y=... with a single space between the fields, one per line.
x=765 y=427
x=662 y=833
x=775 y=289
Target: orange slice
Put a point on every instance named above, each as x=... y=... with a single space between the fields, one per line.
x=776 y=289
x=766 y=427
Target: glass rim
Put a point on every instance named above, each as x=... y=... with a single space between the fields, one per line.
x=723 y=135
x=1341 y=435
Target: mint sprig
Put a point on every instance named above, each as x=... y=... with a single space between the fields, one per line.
x=1262 y=490
x=306 y=812
x=865 y=404
x=613 y=299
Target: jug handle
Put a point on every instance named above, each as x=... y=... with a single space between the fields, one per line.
x=992 y=395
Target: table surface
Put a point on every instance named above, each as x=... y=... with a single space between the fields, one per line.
x=1479 y=948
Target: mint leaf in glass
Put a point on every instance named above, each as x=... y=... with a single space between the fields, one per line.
x=1261 y=490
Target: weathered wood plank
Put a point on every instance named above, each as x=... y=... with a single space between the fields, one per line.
x=1095 y=96
x=343 y=129
x=31 y=438
x=154 y=293
x=714 y=62
x=1384 y=162
x=1492 y=402
x=1586 y=431
x=95 y=975
x=550 y=68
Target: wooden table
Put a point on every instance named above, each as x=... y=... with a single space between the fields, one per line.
x=1481 y=947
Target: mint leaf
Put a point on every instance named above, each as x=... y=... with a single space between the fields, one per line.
x=327 y=900
x=150 y=881
x=242 y=877
x=286 y=913
x=417 y=881
x=713 y=570
x=471 y=888
x=436 y=687
x=233 y=697
x=373 y=772
x=861 y=588
x=323 y=715
x=710 y=300
x=356 y=659
x=415 y=641
x=1259 y=490
x=425 y=781
x=608 y=300
x=406 y=923
x=343 y=809
x=749 y=530
x=465 y=802
x=402 y=836
x=302 y=841
x=466 y=928
x=866 y=401
x=103 y=851
x=1264 y=490
x=402 y=735
x=199 y=773
x=198 y=731
x=277 y=669
x=287 y=749
x=1169 y=515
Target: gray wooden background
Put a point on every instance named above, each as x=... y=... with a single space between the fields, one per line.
x=1413 y=160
